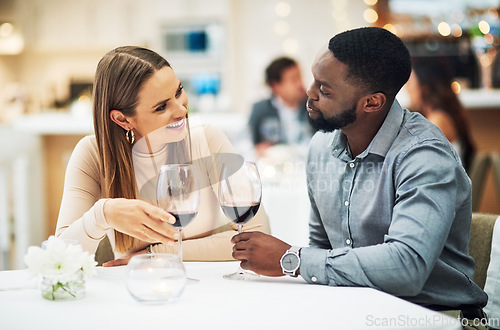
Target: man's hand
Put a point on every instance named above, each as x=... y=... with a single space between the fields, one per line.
x=259 y=252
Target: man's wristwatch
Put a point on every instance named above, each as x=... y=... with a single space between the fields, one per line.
x=290 y=261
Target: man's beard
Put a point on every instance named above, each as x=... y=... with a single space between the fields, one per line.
x=338 y=121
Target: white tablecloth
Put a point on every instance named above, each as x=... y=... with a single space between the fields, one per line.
x=214 y=303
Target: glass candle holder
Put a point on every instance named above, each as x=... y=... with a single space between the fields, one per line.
x=155 y=278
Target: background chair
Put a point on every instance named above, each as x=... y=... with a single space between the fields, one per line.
x=484 y=247
x=480 y=244
x=495 y=164
x=478 y=172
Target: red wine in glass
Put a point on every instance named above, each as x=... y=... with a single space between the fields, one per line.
x=177 y=192
x=182 y=219
x=240 y=193
x=240 y=214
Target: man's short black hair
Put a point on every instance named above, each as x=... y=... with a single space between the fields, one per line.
x=375 y=57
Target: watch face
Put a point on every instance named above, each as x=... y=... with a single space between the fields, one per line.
x=290 y=262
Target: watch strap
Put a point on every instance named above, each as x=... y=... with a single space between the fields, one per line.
x=296 y=251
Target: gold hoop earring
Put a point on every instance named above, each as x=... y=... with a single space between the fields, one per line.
x=130 y=136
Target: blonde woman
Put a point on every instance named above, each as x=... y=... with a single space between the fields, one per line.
x=135 y=93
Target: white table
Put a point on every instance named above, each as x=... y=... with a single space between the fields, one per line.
x=215 y=303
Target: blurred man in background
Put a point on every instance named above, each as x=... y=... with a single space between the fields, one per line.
x=281 y=119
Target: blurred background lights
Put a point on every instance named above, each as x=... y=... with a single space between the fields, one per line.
x=456 y=30
x=6 y=29
x=281 y=28
x=493 y=13
x=339 y=3
x=283 y=9
x=455 y=86
x=269 y=171
x=370 y=15
x=371 y=2
x=484 y=27
x=488 y=38
x=290 y=46
x=339 y=14
x=444 y=29
x=391 y=28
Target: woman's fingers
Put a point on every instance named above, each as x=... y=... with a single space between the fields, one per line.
x=140 y=219
x=159 y=214
x=156 y=226
x=153 y=236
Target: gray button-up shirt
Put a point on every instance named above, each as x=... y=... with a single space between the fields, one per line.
x=396 y=217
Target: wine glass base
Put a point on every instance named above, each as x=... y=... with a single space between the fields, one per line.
x=241 y=275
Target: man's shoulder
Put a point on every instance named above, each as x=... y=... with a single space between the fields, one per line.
x=321 y=142
x=418 y=129
x=263 y=107
x=418 y=136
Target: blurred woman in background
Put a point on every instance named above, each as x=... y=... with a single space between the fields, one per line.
x=431 y=94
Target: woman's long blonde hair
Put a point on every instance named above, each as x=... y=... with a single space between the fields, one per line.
x=119 y=77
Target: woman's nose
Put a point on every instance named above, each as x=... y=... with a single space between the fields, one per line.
x=182 y=106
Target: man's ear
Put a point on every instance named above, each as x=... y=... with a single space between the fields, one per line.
x=119 y=118
x=375 y=102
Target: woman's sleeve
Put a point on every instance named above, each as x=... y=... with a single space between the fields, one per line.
x=81 y=215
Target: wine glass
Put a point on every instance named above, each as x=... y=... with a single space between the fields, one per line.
x=240 y=193
x=178 y=194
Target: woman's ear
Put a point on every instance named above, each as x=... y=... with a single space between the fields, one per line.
x=375 y=102
x=119 y=118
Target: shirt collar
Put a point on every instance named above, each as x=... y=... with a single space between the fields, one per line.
x=382 y=141
x=387 y=133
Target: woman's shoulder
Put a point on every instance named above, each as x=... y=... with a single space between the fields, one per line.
x=87 y=148
x=88 y=143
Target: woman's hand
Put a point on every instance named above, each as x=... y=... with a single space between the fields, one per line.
x=122 y=261
x=141 y=220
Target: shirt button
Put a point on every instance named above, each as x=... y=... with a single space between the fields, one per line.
x=314 y=279
x=351 y=165
x=348 y=241
x=346 y=203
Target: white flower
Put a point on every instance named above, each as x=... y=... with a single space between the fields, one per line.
x=59 y=261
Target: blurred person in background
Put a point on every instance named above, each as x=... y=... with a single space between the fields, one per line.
x=136 y=93
x=282 y=118
x=430 y=93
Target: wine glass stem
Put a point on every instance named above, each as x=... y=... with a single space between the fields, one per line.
x=179 y=243
x=240 y=229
